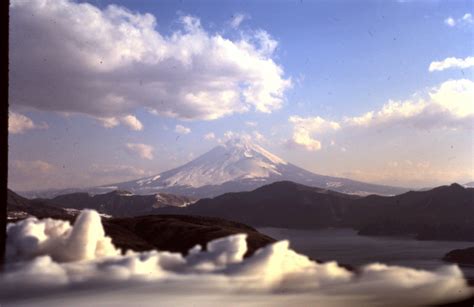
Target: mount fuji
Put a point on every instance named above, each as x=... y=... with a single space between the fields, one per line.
x=239 y=165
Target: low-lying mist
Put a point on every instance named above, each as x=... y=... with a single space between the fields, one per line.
x=50 y=262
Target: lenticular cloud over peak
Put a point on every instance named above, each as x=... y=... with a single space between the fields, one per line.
x=50 y=257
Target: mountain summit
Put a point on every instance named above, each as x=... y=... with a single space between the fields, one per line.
x=238 y=159
x=240 y=165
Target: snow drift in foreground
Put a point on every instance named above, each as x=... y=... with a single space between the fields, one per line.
x=50 y=261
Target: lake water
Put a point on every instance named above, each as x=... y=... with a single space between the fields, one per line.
x=345 y=246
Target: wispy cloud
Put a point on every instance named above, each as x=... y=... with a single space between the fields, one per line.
x=116 y=171
x=209 y=136
x=31 y=167
x=452 y=62
x=30 y=174
x=237 y=19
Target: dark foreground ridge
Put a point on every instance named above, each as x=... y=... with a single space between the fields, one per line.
x=177 y=233
x=174 y=233
x=463 y=256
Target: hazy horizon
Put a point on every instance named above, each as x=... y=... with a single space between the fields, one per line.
x=221 y=144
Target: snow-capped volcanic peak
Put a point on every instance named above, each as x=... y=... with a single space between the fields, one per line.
x=236 y=159
x=244 y=147
x=240 y=165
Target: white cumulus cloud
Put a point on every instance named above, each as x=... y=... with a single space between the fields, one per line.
x=450 y=21
x=132 y=122
x=305 y=129
x=109 y=62
x=19 y=123
x=143 y=150
x=452 y=62
x=465 y=20
x=129 y=120
x=182 y=129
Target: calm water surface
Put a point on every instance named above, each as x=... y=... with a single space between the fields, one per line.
x=345 y=246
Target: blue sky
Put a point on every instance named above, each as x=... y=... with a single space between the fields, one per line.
x=342 y=58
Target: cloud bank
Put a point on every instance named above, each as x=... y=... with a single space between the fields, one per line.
x=107 y=63
x=50 y=257
x=447 y=106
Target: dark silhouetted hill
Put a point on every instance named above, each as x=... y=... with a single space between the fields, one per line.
x=443 y=213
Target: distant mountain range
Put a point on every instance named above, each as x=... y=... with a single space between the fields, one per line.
x=238 y=165
x=442 y=213
x=121 y=203
x=116 y=203
x=20 y=207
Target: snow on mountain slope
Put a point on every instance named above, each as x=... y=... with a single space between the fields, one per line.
x=240 y=165
x=236 y=160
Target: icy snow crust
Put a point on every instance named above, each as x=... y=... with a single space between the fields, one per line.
x=49 y=260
